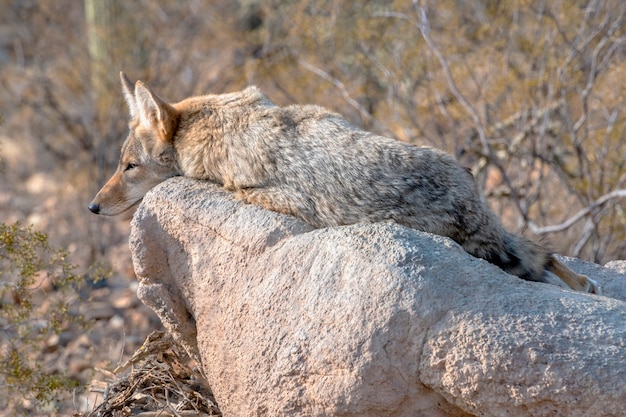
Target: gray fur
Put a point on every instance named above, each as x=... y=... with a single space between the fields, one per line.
x=311 y=163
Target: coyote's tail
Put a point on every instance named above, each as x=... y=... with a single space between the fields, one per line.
x=519 y=256
x=528 y=260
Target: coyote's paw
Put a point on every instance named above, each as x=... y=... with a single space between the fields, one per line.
x=592 y=287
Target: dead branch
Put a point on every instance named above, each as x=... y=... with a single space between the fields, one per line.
x=157 y=380
x=621 y=193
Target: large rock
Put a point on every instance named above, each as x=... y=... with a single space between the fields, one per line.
x=369 y=319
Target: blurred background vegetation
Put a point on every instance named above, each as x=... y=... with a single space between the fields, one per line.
x=530 y=94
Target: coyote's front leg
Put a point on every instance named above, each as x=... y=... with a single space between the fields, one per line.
x=278 y=200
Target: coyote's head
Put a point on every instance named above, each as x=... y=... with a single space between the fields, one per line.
x=148 y=156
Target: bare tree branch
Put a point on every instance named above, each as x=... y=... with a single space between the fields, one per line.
x=346 y=96
x=424 y=27
x=621 y=193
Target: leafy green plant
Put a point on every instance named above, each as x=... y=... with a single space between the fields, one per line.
x=37 y=285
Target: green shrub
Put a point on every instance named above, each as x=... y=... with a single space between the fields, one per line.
x=37 y=285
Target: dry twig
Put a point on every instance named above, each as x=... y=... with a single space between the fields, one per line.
x=157 y=381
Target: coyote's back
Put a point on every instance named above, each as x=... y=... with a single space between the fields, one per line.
x=310 y=163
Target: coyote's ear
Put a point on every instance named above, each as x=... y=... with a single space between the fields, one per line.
x=129 y=95
x=154 y=112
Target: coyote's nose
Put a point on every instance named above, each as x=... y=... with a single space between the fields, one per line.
x=94 y=207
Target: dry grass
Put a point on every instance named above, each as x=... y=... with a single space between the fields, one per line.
x=159 y=380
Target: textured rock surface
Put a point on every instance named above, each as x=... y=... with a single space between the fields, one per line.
x=370 y=320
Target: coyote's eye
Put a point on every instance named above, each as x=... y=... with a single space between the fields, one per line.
x=130 y=166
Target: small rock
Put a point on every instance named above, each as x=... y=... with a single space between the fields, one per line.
x=99 y=310
x=117 y=322
x=124 y=299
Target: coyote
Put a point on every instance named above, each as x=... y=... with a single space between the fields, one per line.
x=305 y=161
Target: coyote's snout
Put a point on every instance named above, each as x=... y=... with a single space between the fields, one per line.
x=310 y=163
